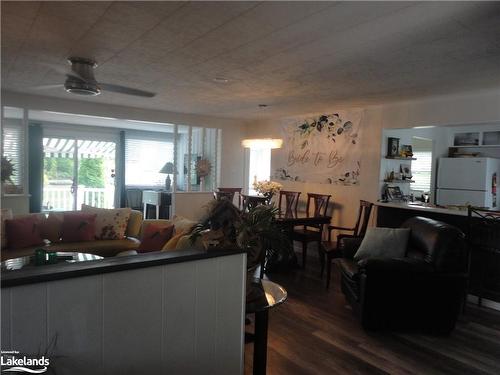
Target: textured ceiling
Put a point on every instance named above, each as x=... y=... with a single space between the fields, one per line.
x=297 y=57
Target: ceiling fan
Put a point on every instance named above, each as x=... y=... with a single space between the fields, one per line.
x=80 y=80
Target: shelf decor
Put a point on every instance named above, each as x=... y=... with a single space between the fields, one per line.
x=324 y=149
x=392 y=147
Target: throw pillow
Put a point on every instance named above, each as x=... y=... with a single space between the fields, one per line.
x=172 y=243
x=23 y=232
x=78 y=226
x=186 y=244
x=51 y=228
x=5 y=214
x=383 y=243
x=155 y=237
x=182 y=224
x=110 y=224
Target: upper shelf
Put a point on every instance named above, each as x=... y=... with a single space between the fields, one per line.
x=399 y=158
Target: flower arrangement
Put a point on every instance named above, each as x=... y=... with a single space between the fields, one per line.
x=203 y=167
x=267 y=188
x=7 y=169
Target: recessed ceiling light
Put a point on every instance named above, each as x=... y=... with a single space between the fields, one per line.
x=221 y=80
x=263 y=105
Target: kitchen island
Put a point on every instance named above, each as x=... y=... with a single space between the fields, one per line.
x=393 y=214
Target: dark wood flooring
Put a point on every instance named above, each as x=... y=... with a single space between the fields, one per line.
x=315 y=332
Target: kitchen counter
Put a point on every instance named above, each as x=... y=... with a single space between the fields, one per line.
x=393 y=214
x=423 y=208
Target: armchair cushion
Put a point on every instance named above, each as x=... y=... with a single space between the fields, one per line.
x=383 y=243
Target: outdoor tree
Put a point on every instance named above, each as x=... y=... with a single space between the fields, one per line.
x=90 y=173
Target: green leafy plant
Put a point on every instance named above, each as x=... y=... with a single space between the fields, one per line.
x=7 y=169
x=256 y=231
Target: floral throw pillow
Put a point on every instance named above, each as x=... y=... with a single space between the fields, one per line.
x=110 y=224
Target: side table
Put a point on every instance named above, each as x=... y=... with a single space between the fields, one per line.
x=262 y=296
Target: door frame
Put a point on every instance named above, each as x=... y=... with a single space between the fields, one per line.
x=84 y=132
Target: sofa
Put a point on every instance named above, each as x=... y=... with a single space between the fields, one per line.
x=105 y=248
x=424 y=290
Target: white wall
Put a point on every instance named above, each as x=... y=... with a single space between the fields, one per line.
x=183 y=318
x=233 y=130
x=466 y=108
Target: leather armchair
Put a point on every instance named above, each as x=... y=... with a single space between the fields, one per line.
x=423 y=290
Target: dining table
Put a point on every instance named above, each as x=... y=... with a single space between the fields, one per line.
x=288 y=222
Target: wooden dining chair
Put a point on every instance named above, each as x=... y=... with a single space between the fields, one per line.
x=252 y=201
x=312 y=233
x=291 y=199
x=233 y=191
x=219 y=195
x=333 y=249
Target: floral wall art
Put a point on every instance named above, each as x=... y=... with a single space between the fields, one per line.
x=325 y=150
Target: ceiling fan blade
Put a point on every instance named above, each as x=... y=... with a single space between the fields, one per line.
x=125 y=90
x=62 y=70
x=47 y=87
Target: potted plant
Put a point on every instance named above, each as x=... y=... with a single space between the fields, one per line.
x=7 y=171
x=256 y=231
x=267 y=188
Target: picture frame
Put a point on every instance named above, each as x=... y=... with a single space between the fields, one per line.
x=394 y=193
x=405 y=170
x=392 y=147
x=407 y=151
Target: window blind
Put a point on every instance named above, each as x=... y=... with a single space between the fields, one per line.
x=422 y=170
x=13 y=150
x=145 y=155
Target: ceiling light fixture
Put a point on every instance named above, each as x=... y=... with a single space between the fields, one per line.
x=262 y=143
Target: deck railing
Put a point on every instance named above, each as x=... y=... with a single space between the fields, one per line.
x=60 y=198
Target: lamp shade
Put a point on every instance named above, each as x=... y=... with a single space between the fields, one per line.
x=168 y=168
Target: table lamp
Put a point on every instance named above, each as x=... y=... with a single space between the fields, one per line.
x=168 y=168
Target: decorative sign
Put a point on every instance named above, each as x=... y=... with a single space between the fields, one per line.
x=323 y=150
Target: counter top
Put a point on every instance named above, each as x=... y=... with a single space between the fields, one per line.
x=415 y=207
x=68 y=270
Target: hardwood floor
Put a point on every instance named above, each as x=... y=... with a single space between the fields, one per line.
x=315 y=332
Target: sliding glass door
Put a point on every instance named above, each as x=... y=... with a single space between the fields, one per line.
x=76 y=171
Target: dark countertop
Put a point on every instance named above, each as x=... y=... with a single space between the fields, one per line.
x=68 y=270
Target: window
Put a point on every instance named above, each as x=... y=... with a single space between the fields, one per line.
x=259 y=166
x=197 y=158
x=13 y=144
x=422 y=167
x=145 y=155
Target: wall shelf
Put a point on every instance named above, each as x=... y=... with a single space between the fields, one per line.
x=399 y=181
x=399 y=158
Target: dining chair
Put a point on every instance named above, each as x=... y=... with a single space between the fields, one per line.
x=219 y=195
x=252 y=201
x=333 y=249
x=233 y=191
x=291 y=199
x=312 y=232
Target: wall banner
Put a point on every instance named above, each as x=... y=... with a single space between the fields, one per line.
x=323 y=150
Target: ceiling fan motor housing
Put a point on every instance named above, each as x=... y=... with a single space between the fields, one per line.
x=83 y=68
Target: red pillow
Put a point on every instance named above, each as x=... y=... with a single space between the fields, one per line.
x=23 y=232
x=155 y=237
x=78 y=227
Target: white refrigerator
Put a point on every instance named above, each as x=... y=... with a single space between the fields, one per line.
x=464 y=181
